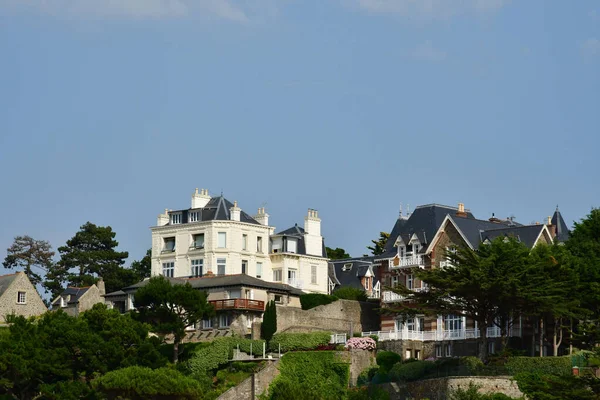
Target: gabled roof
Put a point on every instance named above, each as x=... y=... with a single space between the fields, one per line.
x=348 y=272
x=473 y=229
x=526 y=234
x=217 y=209
x=74 y=292
x=293 y=231
x=298 y=233
x=6 y=281
x=562 y=231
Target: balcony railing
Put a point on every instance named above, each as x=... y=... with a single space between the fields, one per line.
x=425 y=336
x=391 y=297
x=296 y=283
x=408 y=262
x=238 y=304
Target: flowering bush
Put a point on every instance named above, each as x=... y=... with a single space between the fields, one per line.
x=362 y=343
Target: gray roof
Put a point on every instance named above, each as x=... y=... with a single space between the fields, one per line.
x=298 y=233
x=526 y=234
x=351 y=276
x=217 y=209
x=562 y=231
x=74 y=292
x=115 y=294
x=6 y=281
x=216 y=281
x=474 y=229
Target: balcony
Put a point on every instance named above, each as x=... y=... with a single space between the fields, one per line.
x=391 y=297
x=298 y=284
x=441 y=335
x=238 y=304
x=409 y=261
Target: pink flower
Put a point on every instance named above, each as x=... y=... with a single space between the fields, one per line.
x=361 y=343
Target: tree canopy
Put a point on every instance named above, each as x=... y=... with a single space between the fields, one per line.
x=378 y=246
x=337 y=253
x=33 y=256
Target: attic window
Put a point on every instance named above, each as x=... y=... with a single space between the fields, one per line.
x=176 y=218
x=193 y=216
x=21 y=297
x=347 y=267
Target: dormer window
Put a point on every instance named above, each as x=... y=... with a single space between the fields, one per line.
x=175 y=218
x=401 y=251
x=198 y=241
x=169 y=245
x=63 y=302
x=292 y=245
x=193 y=216
x=347 y=267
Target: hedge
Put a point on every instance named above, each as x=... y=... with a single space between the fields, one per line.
x=310 y=375
x=539 y=365
x=350 y=293
x=411 y=371
x=299 y=341
x=143 y=383
x=387 y=359
x=220 y=352
x=312 y=300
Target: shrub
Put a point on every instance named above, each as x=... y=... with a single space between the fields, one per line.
x=472 y=394
x=552 y=387
x=299 y=341
x=312 y=300
x=539 y=365
x=387 y=359
x=350 y=293
x=269 y=324
x=143 y=383
x=473 y=364
x=369 y=393
x=220 y=352
x=411 y=371
x=361 y=343
x=375 y=338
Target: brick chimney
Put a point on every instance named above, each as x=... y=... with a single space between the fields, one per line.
x=461 y=210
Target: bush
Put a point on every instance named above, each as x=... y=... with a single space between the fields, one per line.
x=472 y=394
x=220 y=352
x=143 y=383
x=375 y=338
x=552 y=387
x=310 y=375
x=539 y=365
x=312 y=300
x=369 y=393
x=387 y=359
x=473 y=364
x=186 y=350
x=411 y=371
x=269 y=323
x=350 y=293
x=361 y=343
x=299 y=341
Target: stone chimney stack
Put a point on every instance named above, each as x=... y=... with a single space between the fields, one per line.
x=312 y=223
x=234 y=212
x=200 y=199
x=163 y=219
x=101 y=287
x=461 y=210
x=262 y=217
x=551 y=228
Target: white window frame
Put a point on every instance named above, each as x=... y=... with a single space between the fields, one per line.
x=410 y=281
x=176 y=218
x=453 y=322
x=222 y=240
x=197 y=267
x=21 y=297
x=280 y=301
x=221 y=266
x=193 y=216
x=259 y=270
x=394 y=281
x=244 y=241
x=277 y=275
x=195 y=238
x=224 y=321
x=168 y=269
x=207 y=323
x=259 y=244
x=313 y=274
x=168 y=240
x=448 y=348
x=438 y=351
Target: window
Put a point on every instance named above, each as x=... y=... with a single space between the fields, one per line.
x=176 y=218
x=21 y=297
x=367 y=283
x=313 y=274
x=452 y=322
x=244 y=242
x=491 y=347
x=448 y=348
x=169 y=244
x=222 y=241
x=193 y=216
x=410 y=324
x=244 y=267
x=259 y=244
x=168 y=269
x=207 y=323
x=292 y=246
x=233 y=294
x=277 y=275
x=408 y=354
x=221 y=263
x=394 y=281
x=278 y=298
x=417 y=354
x=63 y=302
x=197 y=267
x=421 y=324
x=259 y=270
x=224 y=321
x=438 y=351
x=198 y=241
x=401 y=251
x=410 y=281
x=347 y=267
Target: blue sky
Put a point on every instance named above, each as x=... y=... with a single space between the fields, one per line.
x=112 y=111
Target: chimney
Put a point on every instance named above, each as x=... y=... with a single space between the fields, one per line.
x=551 y=227
x=262 y=217
x=312 y=223
x=461 y=210
x=200 y=199
x=494 y=219
x=163 y=219
x=234 y=212
x=101 y=287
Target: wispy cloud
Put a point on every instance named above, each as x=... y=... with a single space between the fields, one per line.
x=232 y=10
x=430 y=9
x=427 y=52
x=590 y=48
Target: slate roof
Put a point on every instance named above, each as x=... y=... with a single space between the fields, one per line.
x=351 y=277
x=298 y=232
x=117 y=293
x=217 y=281
x=562 y=231
x=74 y=292
x=474 y=229
x=526 y=234
x=217 y=209
x=6 y=281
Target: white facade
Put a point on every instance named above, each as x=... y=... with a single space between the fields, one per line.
x=184 y=245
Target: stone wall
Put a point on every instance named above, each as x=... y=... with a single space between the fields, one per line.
x=438 y=389
x=359 y=361
x=33 y=304
x=340 y=316
x=424 y=350
x=262 y=380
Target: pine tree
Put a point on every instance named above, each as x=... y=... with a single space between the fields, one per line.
x=269 y=324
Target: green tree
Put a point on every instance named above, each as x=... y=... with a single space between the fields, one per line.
x=337 y=253
x=350 y=293
x=269 y=324
x=90 y=254
x=33 y=256
x=143 y=267
x=171 y=308
x=378 y=246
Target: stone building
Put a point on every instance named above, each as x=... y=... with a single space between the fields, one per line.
x=420 y=241
x=75 y=300
x=19 y=297
x=217 y=236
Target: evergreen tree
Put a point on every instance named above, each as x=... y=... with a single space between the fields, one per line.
x=269 y=324
x=337 y=253
x=32 y=256
x=379 y=244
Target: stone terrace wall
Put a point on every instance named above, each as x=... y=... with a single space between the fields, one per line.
x=340 y=316
x=262 y=380
x=438 y=389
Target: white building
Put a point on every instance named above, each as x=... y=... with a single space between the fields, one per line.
x=215 y=237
